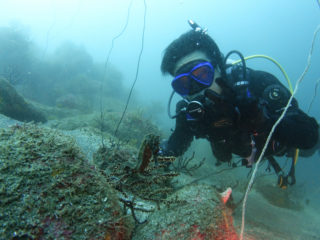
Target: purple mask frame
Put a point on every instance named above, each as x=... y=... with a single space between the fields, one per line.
x=182 y=83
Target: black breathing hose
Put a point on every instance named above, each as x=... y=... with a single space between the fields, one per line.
x=242 y=61
x=169 y=106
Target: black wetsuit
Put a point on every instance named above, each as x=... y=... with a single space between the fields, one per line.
x=245 y=111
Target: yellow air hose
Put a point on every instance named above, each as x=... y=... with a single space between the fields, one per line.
x=296 y=154
x=275 y=62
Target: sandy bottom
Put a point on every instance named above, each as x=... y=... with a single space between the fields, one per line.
x=265 y=220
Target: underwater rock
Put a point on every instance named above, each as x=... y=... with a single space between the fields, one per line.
x=49 y=191
x=69 y=101
x=193 y=212
x=135 y=127
x=14 y=106
x=6 y=121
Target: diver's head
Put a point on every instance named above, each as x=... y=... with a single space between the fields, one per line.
x=193 y=74
x=195 y=61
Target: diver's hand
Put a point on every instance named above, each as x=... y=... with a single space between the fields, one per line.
x=252 y=115
x=222 y=107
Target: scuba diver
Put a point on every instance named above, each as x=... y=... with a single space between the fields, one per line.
x=230 y=105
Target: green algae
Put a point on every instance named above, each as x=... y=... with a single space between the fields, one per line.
x=49 y=191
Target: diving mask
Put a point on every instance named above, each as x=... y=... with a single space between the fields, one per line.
x=194 y=81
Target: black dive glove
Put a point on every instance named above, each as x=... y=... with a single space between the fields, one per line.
x=252 y=114
x=222 y=107
x=250 y=109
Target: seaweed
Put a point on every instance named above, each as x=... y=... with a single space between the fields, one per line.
x=137 y=176
x=183 y=165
